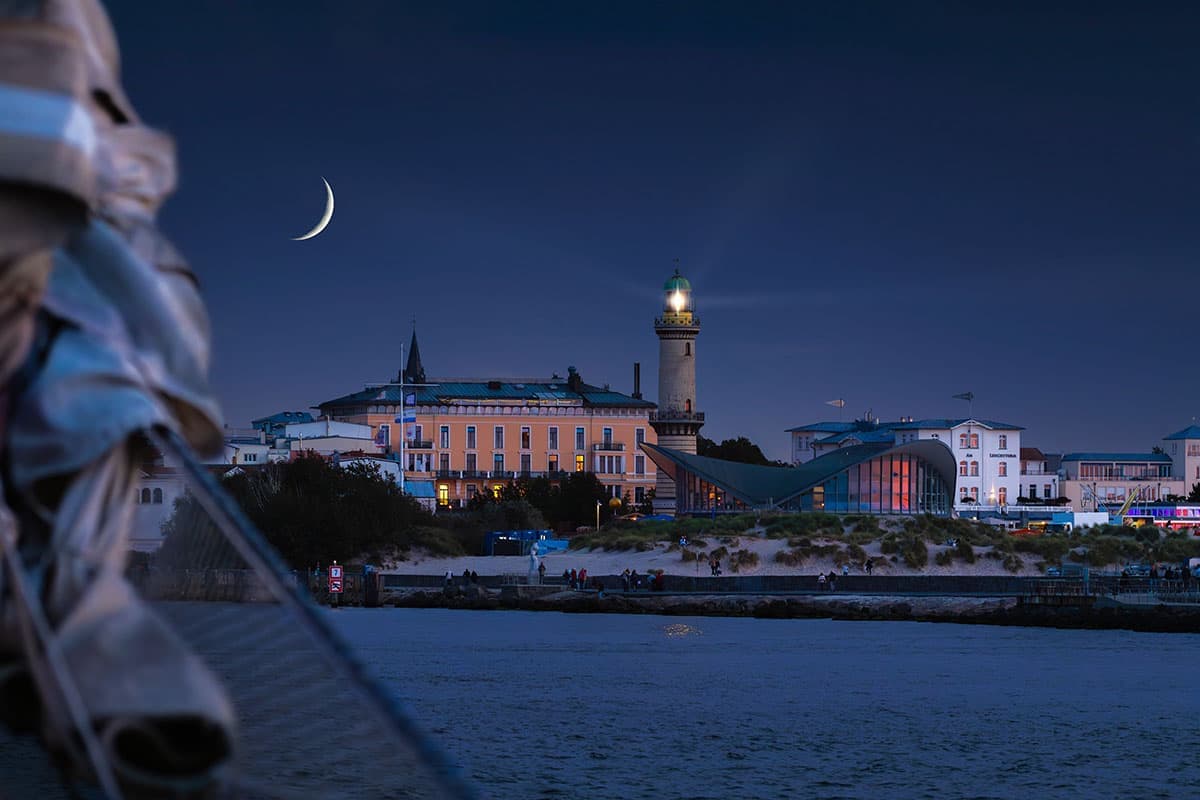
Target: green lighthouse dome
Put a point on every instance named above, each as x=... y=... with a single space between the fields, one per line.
x=675 y=282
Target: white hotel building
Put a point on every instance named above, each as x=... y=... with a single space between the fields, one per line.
x=988 y=453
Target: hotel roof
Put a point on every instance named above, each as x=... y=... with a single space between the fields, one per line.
x=1190 y=432
x=863 y=437
x=934 y=423
x=1159 y=458
x=944 y=423
x=823 y=427
x=483 y=391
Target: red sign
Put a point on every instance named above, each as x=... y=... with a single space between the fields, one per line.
x=335 y=579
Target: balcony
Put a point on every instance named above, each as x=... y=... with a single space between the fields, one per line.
x=506 y=474
x=418 y=444
x=610 y=446
x=674 y=414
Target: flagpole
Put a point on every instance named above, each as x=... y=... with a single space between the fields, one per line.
x=403 y=429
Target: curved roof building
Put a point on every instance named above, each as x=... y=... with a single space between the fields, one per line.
x=912 y=478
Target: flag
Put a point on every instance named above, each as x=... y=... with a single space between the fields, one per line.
x=839 y=403
x=410 y=416
x=383 y=435
x=968 y=396
x=410 y=399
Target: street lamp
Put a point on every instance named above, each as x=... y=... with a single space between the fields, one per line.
x=598 y=504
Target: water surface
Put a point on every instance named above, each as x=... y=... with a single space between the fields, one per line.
x=547 y=705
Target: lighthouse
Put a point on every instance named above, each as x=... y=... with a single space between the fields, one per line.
x=677 y=422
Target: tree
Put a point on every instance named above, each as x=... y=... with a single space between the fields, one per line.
x=1194 y=495
x=741 y=450
x=647 y=505
x=309 y=510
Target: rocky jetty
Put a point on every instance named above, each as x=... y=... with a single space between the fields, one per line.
x=966 y=610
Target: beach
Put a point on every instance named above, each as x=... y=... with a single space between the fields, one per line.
x=668 y=558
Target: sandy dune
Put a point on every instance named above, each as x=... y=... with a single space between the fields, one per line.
x=602 y=562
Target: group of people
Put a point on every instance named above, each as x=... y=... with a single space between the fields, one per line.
x=655 y=581
x=469 y=577
x=578 y=580
x=828 y=582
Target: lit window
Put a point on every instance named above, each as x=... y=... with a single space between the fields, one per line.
x=1003 y=469
x=975 y=468
x=553 y=465
x=443 y=494
x=496 y=491
x=974 y=440
x=580 y=463
x=1002 y=495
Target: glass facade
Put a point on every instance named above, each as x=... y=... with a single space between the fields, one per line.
x=894 y=483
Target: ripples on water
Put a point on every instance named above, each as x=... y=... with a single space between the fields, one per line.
x=587 y=706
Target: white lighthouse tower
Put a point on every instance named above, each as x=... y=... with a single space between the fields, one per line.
x=676 y=421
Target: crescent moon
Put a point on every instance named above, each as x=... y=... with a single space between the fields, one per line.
x=328 y=215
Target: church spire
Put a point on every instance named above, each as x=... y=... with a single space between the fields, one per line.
x=413 y=371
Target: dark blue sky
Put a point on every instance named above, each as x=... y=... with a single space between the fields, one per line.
x=889 y=202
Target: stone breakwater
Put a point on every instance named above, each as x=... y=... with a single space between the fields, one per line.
x=965 y=610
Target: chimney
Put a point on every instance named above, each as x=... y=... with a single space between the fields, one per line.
x=637 y=380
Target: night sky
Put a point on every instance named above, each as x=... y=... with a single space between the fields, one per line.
x=890 y=203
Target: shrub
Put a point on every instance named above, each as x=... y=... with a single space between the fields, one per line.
x=965 y=551
x=720 y=553
x=1013 y=562
x=743 y=559
x=867 y=525
x=915 y=554
x=687 y=555
x=789 y=557
x=856 y=553
x=945 y=558
x=1050 y=548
